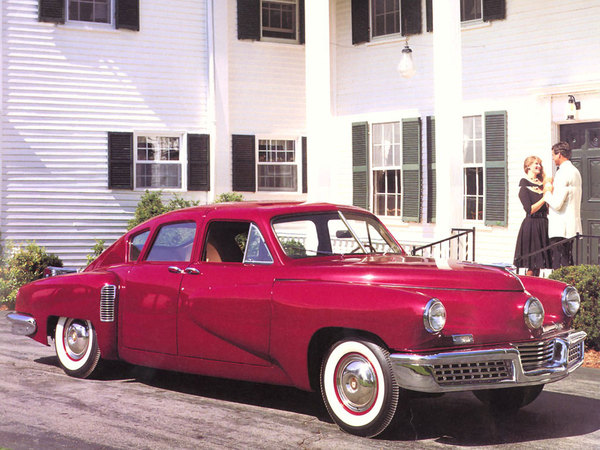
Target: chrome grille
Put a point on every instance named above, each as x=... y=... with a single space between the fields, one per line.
x=472 y=373
x=575 y=353
x=535 y=355
x=108 y=294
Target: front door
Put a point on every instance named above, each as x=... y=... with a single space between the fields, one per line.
x=584 y=139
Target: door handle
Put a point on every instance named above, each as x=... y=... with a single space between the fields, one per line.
x=192 y=271
x=175 y=269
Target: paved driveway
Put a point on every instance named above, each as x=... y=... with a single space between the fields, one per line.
x=41 y=407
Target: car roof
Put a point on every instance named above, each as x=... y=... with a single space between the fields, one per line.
x=245 y=211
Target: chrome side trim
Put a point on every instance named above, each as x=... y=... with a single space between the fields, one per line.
x=22 y=325
x=486 y=369
x=108 y=295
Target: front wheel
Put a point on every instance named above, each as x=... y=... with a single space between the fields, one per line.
x=358 y=387
x=76 y=347
x=509 y=400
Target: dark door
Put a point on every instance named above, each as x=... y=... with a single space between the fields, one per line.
x=584 y=139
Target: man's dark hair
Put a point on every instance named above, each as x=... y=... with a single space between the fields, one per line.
x=563 y=148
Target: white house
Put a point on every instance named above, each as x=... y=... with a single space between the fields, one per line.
x=292 y=100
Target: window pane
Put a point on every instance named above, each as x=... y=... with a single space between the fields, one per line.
x=468 y=151
x=480 y=180
x=279 y=19
x=470 y=10
x=471 y=181
x=471 y=211
x=386 y=17
x=89 y=10
x=137 y=244
x=173 y=243
x=257 y=251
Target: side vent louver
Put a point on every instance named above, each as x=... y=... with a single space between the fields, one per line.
x=108 y=294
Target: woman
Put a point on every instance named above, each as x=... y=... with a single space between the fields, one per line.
x=533 y=235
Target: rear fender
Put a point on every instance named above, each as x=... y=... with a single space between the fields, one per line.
x=78 y=296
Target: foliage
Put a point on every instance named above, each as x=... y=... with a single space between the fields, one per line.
x=97 y=250
x=585 y=279
x=229 y=197
x=151 y=205
x=21 y=266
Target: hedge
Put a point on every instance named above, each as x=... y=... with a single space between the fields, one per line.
x=586 y=279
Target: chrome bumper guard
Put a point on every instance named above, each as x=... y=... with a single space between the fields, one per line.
x=22 y=325
x=489 y=369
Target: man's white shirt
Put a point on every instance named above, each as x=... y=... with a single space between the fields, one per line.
x=564 y=215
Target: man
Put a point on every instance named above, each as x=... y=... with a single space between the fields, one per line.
x=564 y=200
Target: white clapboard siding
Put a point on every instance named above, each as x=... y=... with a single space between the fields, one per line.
x=64 y=88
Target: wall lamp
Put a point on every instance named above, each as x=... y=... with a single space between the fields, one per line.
x=406 y=66
x=572 y=107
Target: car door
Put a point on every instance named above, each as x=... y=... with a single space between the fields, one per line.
x=151 y=295
x=225 y=304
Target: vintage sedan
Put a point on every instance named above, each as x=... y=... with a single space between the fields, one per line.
x=316 y=296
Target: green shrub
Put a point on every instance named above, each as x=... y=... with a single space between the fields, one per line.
x=151 y=205
x=97 y=250
x=586 y=279
x=229 y=197
x=21 y=266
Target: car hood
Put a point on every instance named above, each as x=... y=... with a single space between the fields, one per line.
x=409 y=272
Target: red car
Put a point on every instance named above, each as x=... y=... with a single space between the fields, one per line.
x=320 y=297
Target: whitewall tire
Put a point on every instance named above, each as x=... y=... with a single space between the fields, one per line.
x=358 y=387
x=76 y=346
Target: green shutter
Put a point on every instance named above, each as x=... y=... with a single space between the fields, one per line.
x=127 y=14
x=411 y=15
x=495 y=168
x=51 y=11
x=360 y=164
x=304 y=165
x=248 y=19
x=411 y=170
x=431 y=176
x=494 y=10
x=360 y=21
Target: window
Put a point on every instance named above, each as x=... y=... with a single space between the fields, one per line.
x=387 y=169
x=473 y=168
x=136 y=245
x=279 y=19
x=470 y=10
x=335 y=233
x=385 y=16
x=235 y=242
x=158 y=162
x=98 y=11
x=174 y=242
x=277 y=165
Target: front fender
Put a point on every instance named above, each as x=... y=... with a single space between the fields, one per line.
x=302 y=308
x=77 y=296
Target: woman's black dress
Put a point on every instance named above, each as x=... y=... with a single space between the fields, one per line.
x=533 y=234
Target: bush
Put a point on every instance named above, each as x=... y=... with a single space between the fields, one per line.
x=21 y=266
x=97 y=250
x=585 y=279
x=229 y=197
x=151 y=205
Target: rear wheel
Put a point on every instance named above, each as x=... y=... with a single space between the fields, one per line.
x=358 y=387
x=76 y=347
x=509 y=400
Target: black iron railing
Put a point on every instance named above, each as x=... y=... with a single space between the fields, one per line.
x=586 y=249
x=460 y=246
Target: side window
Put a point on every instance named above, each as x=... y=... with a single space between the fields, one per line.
x=174 y=242
x=136 y=244
x=226 y=242
x=256 y=248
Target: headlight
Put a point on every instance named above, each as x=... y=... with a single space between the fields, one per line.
x=534 y=313
x=434 y=317
x=570 y=301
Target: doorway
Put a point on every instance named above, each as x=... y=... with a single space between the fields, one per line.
x=584 y=139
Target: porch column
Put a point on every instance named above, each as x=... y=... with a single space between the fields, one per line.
x=318 y=100
x=447 y=68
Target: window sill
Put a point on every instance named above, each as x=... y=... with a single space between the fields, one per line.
x=474 y=25
x=89 y=26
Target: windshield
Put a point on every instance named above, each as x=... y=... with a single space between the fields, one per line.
x=309 y=235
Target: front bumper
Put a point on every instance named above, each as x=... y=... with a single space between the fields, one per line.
x=523 y=364
x=22 y=325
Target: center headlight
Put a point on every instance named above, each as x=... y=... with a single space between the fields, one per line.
x=570 y=301
x=434 y=317
x=534 y=313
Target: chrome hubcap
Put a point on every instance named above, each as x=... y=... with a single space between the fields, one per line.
x=356 y=383
x=76 y=340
